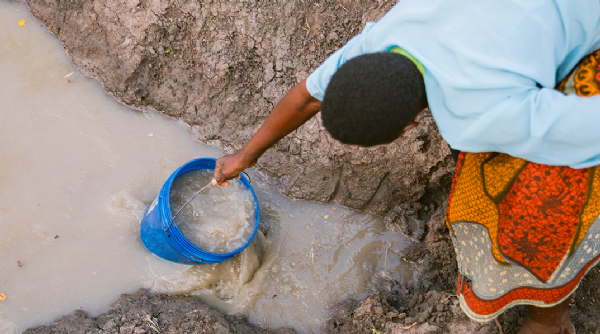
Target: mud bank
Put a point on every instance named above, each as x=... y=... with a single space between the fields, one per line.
x=222 y=65
x=145 y=312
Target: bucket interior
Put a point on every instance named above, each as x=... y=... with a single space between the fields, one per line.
x=176 y=235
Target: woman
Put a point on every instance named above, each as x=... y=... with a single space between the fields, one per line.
x=522 y=221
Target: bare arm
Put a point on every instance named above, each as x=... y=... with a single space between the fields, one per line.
x=293 y=110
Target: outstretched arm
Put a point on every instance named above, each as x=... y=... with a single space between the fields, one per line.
x=293 y=110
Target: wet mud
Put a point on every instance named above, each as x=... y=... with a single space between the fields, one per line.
x=144 y=312
x=221 y=66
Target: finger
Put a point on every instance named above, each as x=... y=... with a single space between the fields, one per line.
x=218 y=176
x=217 y=171
x=239 y=176
x=214 y=182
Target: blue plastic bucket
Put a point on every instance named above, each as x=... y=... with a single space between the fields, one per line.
x=165 y=239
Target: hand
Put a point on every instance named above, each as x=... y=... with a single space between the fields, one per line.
x=293 y=110
x=229 y=167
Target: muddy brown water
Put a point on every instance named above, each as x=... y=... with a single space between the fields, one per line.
x=78 y=169
x=219 y=220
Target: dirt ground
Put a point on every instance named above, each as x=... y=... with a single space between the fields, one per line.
x=220 y=66
x=145 y=312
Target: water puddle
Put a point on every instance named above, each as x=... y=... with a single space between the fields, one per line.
x=77 y=171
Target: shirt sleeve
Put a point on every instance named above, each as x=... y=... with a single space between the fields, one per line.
x=317 y=81
x=540 y=125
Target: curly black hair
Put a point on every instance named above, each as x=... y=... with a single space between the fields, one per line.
x=371 y=98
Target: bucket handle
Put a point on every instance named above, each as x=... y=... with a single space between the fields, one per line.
x=196 y=194
x=186 y=203
x=248 y=177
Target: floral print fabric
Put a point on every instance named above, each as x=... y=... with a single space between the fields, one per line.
x=524 y=233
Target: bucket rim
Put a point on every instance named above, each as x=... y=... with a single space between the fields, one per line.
x=174 y=234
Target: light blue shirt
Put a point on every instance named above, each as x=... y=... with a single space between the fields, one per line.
x=483 y=59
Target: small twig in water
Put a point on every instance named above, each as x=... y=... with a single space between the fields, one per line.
x=385 y=262
x=312 y=253
x=392 y=226
x=317 y=240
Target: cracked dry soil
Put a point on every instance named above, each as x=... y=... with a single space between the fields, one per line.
x=220 y=66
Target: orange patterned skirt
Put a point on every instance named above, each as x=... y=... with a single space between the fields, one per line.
x=524 y=233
